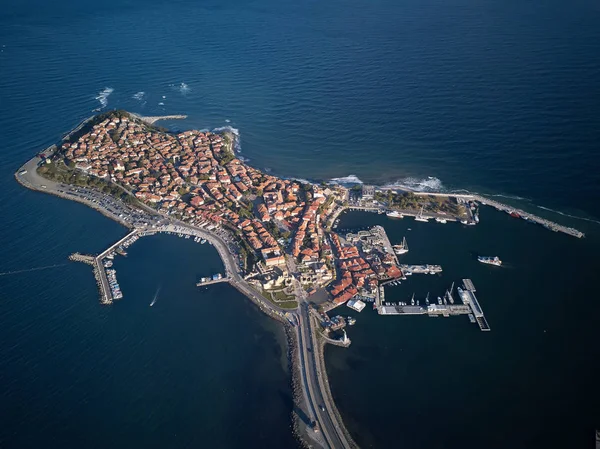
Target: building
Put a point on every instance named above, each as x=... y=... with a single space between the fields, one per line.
x=368 y=192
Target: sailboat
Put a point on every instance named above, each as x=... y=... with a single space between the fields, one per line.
x=402 y=248
x=449 y=294
x=420 y=217
x=427 y=299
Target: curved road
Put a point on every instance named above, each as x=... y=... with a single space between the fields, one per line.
x=312 y=381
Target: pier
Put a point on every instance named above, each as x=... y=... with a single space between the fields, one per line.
x=421 y=269
x=154 y=119
x=468 y=297
x=470 y=306
x=509 y=209
x=212 y=281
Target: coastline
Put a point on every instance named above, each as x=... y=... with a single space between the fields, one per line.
x=237 y=282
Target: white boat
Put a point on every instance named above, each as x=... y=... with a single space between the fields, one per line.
x=402 y=248
x=490 y=260
x=420 y=217
x=412 y=300
x=427 y=299
x=394 y=214
x=441 y=220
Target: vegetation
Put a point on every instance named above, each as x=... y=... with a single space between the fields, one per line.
x=57 y=171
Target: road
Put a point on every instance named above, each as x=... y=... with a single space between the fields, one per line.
x=312 y=379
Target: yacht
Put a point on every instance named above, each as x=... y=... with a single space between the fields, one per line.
x=394 y=214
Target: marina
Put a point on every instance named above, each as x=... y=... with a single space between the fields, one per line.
x=470 y=306
x=106 y=276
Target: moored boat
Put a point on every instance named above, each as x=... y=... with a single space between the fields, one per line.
x=394 y=214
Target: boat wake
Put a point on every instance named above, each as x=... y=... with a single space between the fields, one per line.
x=103 y=96
x=155 y=297
x=569 y=215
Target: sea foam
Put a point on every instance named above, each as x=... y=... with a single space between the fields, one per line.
x=103 y=96
x=350 y=179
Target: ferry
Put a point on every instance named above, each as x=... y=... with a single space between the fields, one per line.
x=441 y=220
x=402 y=248
x=394 y=214
x=420 y=217
x=490 y=260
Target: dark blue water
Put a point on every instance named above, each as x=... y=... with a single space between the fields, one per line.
x=490 y=96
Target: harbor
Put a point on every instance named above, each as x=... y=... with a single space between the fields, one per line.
x=106 y=276
x=470 y=306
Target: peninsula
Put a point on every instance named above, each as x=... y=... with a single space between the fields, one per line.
x=277 y=237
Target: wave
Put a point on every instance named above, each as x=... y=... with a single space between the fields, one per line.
x=350 y=179
x=139 y=95
x=237 y=144
x=183 y=88
x=569 y=215
x=103 y=96
x=429 y=184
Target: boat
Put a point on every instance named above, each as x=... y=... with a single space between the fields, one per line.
x=515 y=214
x=439 y=301
x=427 y=299
x=203 y=241
x=420 y=217
x=471 y=318
x=351 y=321
x=464 y=222
x=412 y=300
x=441 y=220
x=394 y=214
x=476 y=218
x=402 y=248
x=449 y=294
x=490 y=260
